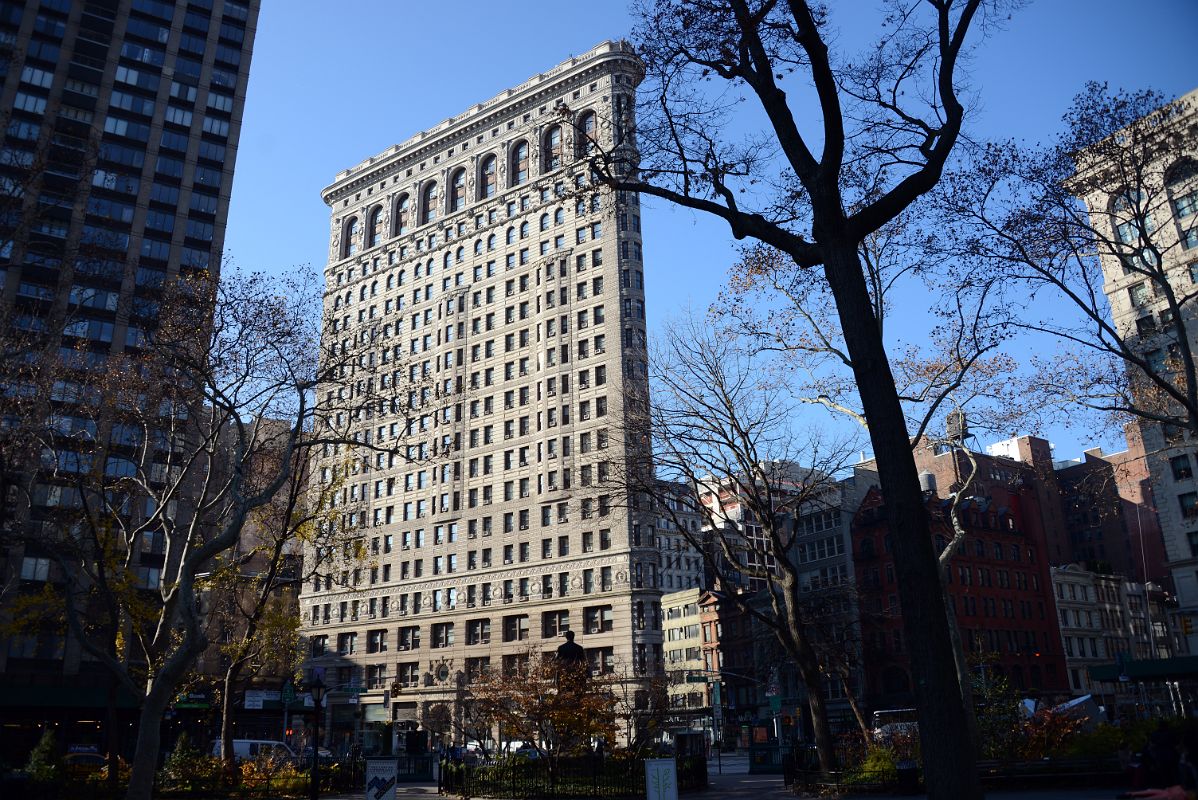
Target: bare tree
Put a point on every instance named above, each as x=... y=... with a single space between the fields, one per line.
x=207 y=421
x=250 y=595
x=1111 y=201
x=883 y=127
x=722 y=433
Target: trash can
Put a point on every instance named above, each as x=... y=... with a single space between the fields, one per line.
x=908 y=777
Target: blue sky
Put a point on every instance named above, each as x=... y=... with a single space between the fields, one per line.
x=333 y=84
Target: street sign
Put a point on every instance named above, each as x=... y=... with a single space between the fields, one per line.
x=775 y=704
x=289 y=694
x=692 y=677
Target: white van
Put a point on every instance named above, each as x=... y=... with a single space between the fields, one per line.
x=251 y=749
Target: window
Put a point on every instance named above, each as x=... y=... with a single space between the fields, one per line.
x=35 y=569
x=428 y=203
x=515 y=628
x=584 y=135
x=1189 y=504
x=403 y=215
x=554 y=623
x=1183 y=187
x=1138 y=294
x=519 y=163
x=597 y=619
x=374 y=228
x=1181 y=467
x=486 y=178
x=457 y=190
x=553 y=148
x=350 y=247
x=442 y=634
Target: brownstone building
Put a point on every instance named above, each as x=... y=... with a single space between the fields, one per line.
x=1000 y=591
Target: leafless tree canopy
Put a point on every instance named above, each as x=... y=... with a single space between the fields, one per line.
x=1116 y=189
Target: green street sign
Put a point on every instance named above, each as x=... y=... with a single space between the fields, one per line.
x=776 y=704
x=693 y=678
x=289 y=694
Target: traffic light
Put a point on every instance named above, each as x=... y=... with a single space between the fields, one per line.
x=290 y=732
x=394 y=689
x=1187 y=625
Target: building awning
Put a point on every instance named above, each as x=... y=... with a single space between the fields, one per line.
x=63 y=697
x=1178 y=668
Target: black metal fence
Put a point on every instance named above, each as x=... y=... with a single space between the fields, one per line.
x=542 y=779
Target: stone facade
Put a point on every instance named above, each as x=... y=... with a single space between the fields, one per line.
x=1165 y=195
x=507 y=291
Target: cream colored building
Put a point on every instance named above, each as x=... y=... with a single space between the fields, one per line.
x=506 y=291
x=1141 y=191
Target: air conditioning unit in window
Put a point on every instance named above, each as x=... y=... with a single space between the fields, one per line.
x=402 y=647
x=469 y=604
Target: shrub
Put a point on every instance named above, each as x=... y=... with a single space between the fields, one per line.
x=189 y=767
x=880 y=766
x=1047 y=734
x=1104 y=740
x=44 y=765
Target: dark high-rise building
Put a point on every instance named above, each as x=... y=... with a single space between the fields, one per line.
x=121 y=122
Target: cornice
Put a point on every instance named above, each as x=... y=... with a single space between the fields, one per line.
x=480 y=117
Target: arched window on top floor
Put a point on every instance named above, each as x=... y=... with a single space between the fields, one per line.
x=478 y=246
x=349 y=243
x=511 y=235
x=374 y=226
x=491 y=242
x=403 y=215
x=551 y=147
x=457 y=190
x=459 y=255
x=519 y=173
x=559 y=216
x=445 y=262
x=544 y=222
x=428 y=203
x=523 y=230
x=486 y=177
x=584 y=134
x=403 y=275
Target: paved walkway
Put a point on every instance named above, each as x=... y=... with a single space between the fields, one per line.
x=741 y=786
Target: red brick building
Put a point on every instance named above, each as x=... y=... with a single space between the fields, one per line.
x=1000 y=590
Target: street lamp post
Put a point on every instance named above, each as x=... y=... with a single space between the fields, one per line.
x=317 y=688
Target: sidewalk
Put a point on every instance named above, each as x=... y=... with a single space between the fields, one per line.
x=769 y=787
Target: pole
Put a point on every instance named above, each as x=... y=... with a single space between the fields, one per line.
x=314 y=790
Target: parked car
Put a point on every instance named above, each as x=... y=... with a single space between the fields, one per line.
x=326 y=756
x=251 y=749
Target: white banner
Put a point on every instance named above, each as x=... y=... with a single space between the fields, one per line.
x=661 y=779
x=380 y=778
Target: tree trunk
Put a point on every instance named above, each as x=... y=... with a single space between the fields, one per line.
x=804 y=657
x=949 y=769
x=858 y=714
x=226 y=714
x=112 y=723
x=963 y=678
x=149 y=729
